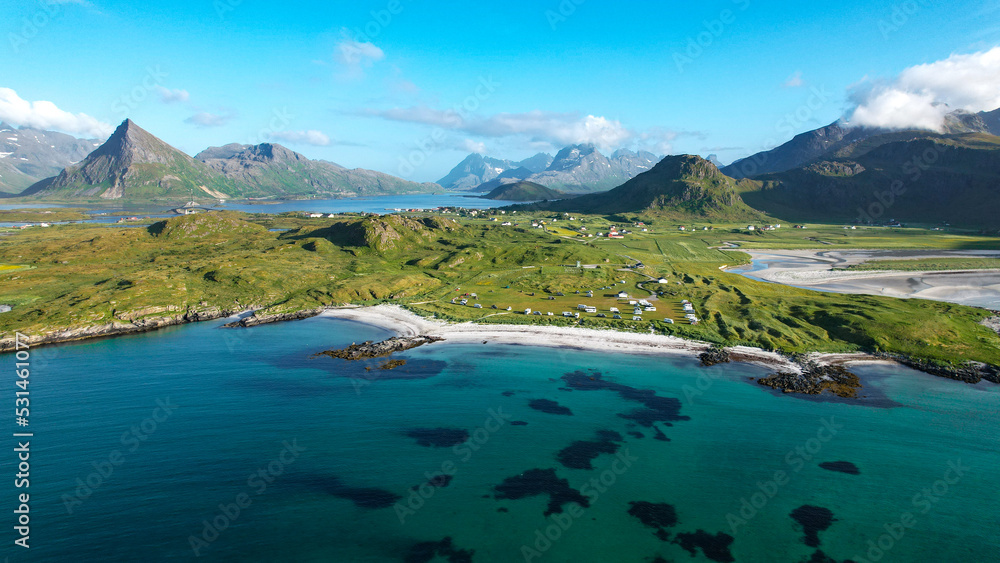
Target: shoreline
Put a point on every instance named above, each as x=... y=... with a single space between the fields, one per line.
x=407 y=324
x=813 y=269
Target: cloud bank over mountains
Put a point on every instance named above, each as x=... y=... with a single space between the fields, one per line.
x=922 y=95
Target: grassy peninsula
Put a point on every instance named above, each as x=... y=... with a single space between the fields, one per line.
x=68 y=277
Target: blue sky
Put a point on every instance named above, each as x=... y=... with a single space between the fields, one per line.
x=410 y=88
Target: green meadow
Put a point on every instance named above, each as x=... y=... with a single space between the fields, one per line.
x=77 y=275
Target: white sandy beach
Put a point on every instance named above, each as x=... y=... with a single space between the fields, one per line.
x=405 y=323
x=812 y=269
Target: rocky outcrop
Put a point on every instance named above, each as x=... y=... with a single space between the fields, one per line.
x=255 y=319
x=370 y=349
x=714 y=356
x=970 y=372
x=118 y=327
x=815 y=379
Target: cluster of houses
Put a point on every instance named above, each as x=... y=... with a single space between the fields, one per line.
x=764 y=228
x=639 y=306
x=29 y=225
x=613 y=232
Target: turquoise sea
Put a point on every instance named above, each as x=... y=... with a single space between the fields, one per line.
x=205 y=443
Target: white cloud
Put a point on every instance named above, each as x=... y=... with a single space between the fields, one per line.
x=206 y=119
x=169 y=96
x=468 y=145
x=310 y=137
x=795 y=80
x=922 y=95
x=556 y=129
x=355 y=55
x=45 y=115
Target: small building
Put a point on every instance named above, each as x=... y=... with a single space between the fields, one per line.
x=750 y=227
x=622 y=295
x=663 y=280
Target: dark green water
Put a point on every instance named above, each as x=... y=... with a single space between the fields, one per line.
x=339 y=461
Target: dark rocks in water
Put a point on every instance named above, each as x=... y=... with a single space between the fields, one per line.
x=659 y=435
x=438 y=437
x=518 y=423
x=424 y=552
x=819 y=557
x=508 y=393
x=414 y=369
x=841 y=466
x=714 y=356
x=565 y=389
x=657 y=409
x=550 y=407
x=635 y=434
x=438 y=482
x=579 y=454
x=815 y=379
x=363 y=497
x=813 y=519
x=655 y=515
x=372 y=349
x=714 y=547
x=392 y=364
x=536 y=482
x=503 y=509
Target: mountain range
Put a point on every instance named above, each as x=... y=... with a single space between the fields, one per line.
x=477 y=169
x=28 y=155
x=134 y=165
x=276 y=170
x=905 y=176
x=833 y=173
x=807 y=147
x=575 y=169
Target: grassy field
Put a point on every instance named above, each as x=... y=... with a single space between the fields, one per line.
x=80 y=275
x=40 y=215
x=930 y=264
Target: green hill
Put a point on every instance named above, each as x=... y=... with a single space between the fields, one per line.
x=928 y=179
x=683 y=187
x=525 y=191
